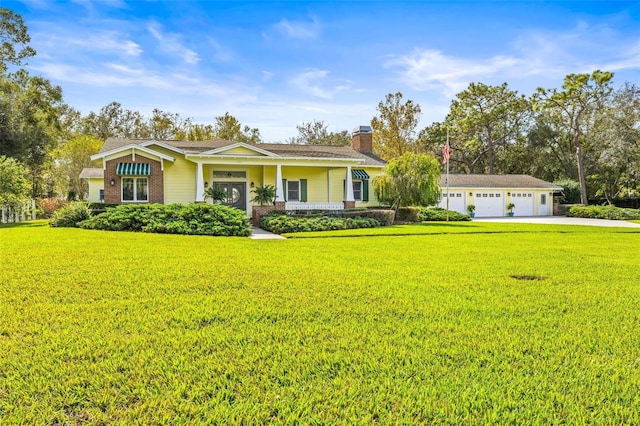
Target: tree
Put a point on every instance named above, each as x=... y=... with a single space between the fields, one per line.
x=615 y=149
x=395 y=126
x=201 y=132
x=73 y=156
x=14 y=187
x=574 y=107
x=228 y=127
x=316 y=133
x=411 y=179
x=14 y=39
x=30 y=124
x=491 y=116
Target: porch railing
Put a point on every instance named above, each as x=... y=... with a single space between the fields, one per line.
x=294 y=205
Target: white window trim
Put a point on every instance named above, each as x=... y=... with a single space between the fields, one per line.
x=135 y=193
x=356 y=198
x=287 y=189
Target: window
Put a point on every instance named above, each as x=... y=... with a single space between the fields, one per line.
x=543 y=199
x=224 y=174
x=293 y=190
x=357 y=190
x=101 y=195
x=135 y=189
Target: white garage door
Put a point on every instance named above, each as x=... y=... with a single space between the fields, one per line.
x=456 y=202
x=488 y=204
x=524 y=202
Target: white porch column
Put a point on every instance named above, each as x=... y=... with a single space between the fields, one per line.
x=199 y=184
x=349 y=185
x=279 y=188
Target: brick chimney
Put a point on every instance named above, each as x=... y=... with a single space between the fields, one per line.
x=362 y=139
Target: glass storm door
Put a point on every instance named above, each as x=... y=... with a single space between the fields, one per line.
x=236 y=194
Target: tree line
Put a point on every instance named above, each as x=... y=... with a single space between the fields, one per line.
x=586 y=133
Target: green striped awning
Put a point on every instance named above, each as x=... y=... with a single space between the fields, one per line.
x=128 y=169
x=359 y=174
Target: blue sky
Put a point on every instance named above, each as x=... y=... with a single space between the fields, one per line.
x=274 y=65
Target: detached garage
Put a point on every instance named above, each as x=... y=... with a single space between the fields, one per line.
x=491 y=194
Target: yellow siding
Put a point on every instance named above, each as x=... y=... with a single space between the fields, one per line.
x=317 y=189
x=240 y=150
x=338 y=177
x=179 y=179
x=95 y=185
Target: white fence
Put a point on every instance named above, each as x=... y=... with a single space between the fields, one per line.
x=15 y=215
x=292 y=205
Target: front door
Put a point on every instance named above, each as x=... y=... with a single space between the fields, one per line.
x=236 y=194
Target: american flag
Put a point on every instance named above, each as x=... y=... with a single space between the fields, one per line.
x=447 y=153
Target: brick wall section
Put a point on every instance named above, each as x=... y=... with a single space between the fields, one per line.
x=258 y=212
x=362 y=142
x=156 y=179
x=349 y=204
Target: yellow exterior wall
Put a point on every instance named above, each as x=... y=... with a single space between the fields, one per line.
x=179 y=178
x=241 y=150
x=338 y=176
x=95 y=185
x=317 y=189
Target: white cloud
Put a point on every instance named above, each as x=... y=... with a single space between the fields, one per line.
x=172 y=43
x=220 y=53
x=299 y=29
x=99 y=41
x=309 y=82
x=545 y=55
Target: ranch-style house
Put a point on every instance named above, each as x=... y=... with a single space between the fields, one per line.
x=305 y=176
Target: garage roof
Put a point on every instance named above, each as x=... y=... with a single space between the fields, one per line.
x=497 y=181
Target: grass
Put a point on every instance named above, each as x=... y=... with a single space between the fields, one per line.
x=125 y=328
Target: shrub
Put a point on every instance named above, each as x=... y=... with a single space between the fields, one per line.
x=603 y=212
x=190 y=219
x=49 y=205
x=570 y=191
x=281 y=224
x=437 y=214
x=70 y=215
x=408 y=214
x=383 y=216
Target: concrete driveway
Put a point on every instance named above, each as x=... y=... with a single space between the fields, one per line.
x=560 y=220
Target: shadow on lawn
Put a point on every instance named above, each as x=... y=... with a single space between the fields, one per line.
x=26 y=224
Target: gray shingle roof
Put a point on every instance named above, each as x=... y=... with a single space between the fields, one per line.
x=284 y=150
x=91 y=172
x=497 y=181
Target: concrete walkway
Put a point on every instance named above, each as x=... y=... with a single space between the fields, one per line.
x=561 y=220
x=261 y=234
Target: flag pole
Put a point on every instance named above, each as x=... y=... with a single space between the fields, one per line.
x=446 y=179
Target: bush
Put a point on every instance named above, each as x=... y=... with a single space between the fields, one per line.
x=570 y=191
x=70 y=215
x=603 y=212
x=436 y=214
x=408 y=214
x=281 y=224
x=189 y=219
x=383 y=216
x=49 y=205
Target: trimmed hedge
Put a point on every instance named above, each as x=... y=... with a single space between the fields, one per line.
x=408 y=214
x=384 y=216
x=281 y=224
x=603 y=212
x=437 y=214
x=189 y=219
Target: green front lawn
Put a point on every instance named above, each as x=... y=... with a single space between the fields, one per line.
x=424 y=325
